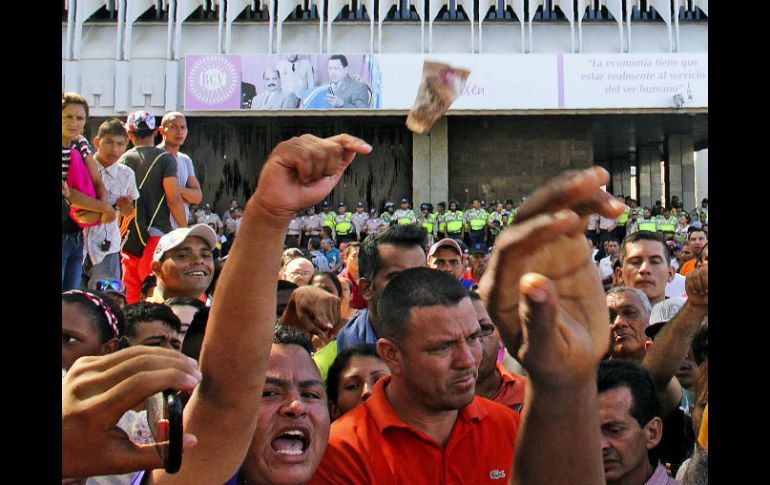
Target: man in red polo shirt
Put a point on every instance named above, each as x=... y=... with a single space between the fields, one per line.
x=424 y=422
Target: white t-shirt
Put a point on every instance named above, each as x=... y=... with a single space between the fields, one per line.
x=605 y=268
x=676 y=286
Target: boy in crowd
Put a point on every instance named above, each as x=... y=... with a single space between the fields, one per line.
x=103 y=240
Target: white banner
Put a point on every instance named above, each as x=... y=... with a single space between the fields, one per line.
x=634 y=80
x=496 y=82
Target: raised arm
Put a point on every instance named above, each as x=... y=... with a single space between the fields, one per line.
x=223 y=409
x=547 y=300
x=674 y=339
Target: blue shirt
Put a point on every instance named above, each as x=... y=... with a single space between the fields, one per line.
x=357 y=331
x=333 y=256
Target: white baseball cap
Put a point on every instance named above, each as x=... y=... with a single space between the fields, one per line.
x=447 y=242
x=178 y=236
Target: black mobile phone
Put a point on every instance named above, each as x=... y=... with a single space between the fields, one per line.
x=164 y=416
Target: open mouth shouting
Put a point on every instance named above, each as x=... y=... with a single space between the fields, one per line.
x=291 y=444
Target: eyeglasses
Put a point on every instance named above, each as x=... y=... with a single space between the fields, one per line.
x=110 y=285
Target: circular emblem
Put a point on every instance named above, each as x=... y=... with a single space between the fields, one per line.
x=212 y=80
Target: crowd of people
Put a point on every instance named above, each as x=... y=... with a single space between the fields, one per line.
x=403 y=352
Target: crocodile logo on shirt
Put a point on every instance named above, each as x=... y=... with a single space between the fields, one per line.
x=497 y=474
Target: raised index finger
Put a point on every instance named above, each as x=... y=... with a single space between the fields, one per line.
x=577 y=190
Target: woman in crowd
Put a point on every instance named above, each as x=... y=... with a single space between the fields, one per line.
x=91 y=324
x=352 y=377
x=84 y=200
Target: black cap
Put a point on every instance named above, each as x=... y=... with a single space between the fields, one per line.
x=207 y=206
x=326 y=203
x=404 y=200
x=341 y=204
x=479 y=248
x=373 y=211
x=389 y=204
x=424 y=206
x=360 y=204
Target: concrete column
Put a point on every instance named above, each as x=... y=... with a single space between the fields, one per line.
x=621 y=176
x=648 y=159
x=430 y=165
x=701 y=176
x=680 y=161
x=617 y=176
x=655 y=186
x=626 y=176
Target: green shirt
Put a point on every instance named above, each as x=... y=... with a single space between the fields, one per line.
x=324 y=358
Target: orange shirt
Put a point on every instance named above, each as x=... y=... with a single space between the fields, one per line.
x=372 y=445
x=511 y=392
x=688 y=267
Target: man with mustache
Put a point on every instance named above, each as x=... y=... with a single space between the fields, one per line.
x=631 y=425
x=273 y=97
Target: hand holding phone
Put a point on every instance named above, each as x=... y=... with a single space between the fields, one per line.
x=94 y=399
x=164 y=416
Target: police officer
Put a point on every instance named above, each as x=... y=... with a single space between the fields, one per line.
x=387 y=215
x=620 y=229
x=311 y=226
x=327 y=215
x=667 y=223
x=373 y=224
x=359 y=220
x=703 y=209
x=428 y=221
x=494 y=223
x=343 y=225
x=509 y=211
x=476 y=223
x=440 y=215
x=455 y=223
x=405 y=215
x=294 y=232
x=647 y=222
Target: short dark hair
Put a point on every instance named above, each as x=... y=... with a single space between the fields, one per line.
x=343 y=60
x=644 y=236
x=96 y=305
x=315 y=243
x=617 y=373
x=144 y=312
x=285 y=335
x=401 y=235
x=341 y=363
x=414 y=288
x=112 y=126
x=692 y=230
